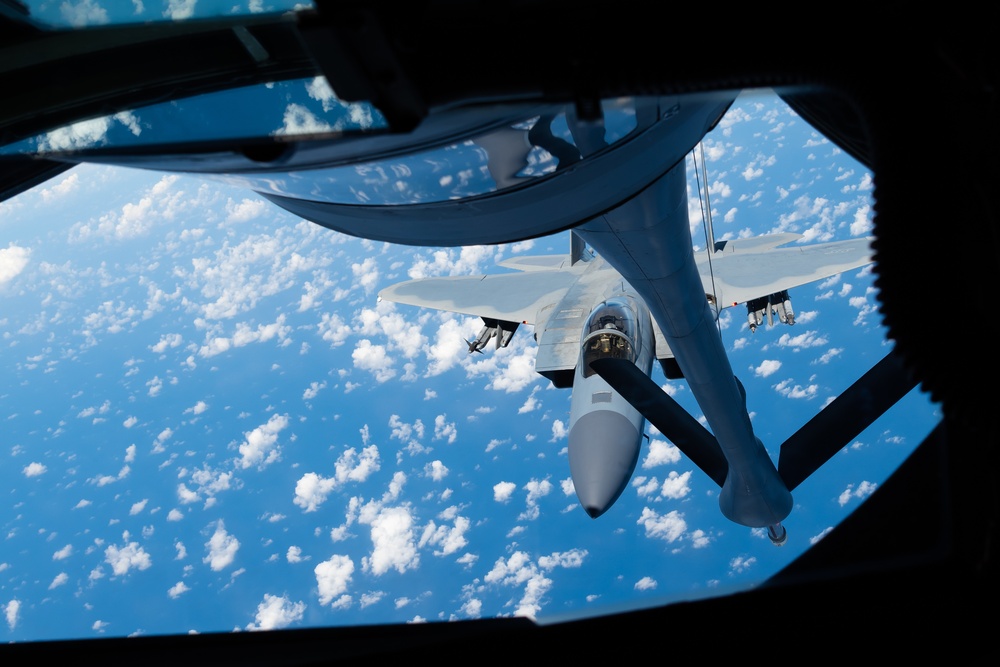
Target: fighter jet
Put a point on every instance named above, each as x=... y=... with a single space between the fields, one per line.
x=596 y=329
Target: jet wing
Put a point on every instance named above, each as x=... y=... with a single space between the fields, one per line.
x=746 y=269
x=512 y=297
x=536 y=262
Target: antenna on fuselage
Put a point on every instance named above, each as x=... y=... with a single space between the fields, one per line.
x=706 y=207
x=701 y=177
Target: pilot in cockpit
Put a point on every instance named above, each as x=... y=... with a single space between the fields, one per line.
x=609 y=335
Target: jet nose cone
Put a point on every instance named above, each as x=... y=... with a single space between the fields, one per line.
x=603 y=450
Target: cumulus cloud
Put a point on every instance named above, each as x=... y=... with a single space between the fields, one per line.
x=368 y=599
x=801 y=341
x=403 y=336
x=823 y=533
x=333 y=329
x=645 y=486
x=530 y=404
x=862 y=222
x=767 y=367
x=13 y=259
x=222 y=548
x=536 y=489
x=829 y=355
x=82 y=134
x=354 y=115
x=277 y=612
x=312 y=490
x=559 y=430
x=518 y=373
x=237 y=276
x=62 y=188
x=436 y=470
x=444 y=430
x=510 y=369
x=790 y=390
x=669 y=527
x=448 y=348
x=519 y=570
x=447 y=539
x=245 y=210
x=161 y=438
x=374 y=359
x=83 y=13
x=741 y=564
x=261 y=445
x=366 y=274
x=862 y=490
x=185 y=495
x=503 y=491
x=313 y=390
x=245 y=334
x=319 y=89
x=11 y=612
x=333 y=576
x=645 y=584
x=127 y=556
x=473 y=608
x=449 y=261
x=34 y=469
x=675 y=486
x=393 y=541
x=661 y=453
x=410 y=434
x=167 y=341
x=699 y=538
x=300 y=120
x=135 y=219
x=177 y=589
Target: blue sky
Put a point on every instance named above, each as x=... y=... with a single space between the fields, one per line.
x=212 y=425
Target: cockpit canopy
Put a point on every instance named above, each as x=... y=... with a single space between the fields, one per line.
x=611 y=331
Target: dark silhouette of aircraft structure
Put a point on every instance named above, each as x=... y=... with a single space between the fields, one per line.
x=919 y=556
